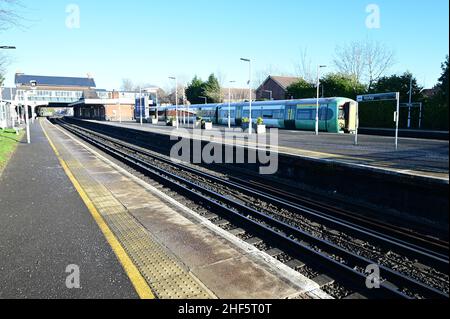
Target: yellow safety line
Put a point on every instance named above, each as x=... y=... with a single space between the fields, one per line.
x=140 y=284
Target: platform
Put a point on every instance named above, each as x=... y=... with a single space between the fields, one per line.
x=45 y=227
x=415 y=157
x=177 y=253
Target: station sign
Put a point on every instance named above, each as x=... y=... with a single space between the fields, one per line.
x=377 y=97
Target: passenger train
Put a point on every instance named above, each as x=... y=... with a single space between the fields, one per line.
x=336 y=115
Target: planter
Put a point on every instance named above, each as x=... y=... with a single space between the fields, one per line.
x=207 y=126
x=260 y=129
x=198 y=124
x=155 y=121
x=245 y=126
x=172 y=123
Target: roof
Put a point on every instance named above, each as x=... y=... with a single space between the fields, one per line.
x=24 y=79
x=283 y=81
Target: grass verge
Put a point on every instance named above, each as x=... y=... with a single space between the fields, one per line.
x=8 y=143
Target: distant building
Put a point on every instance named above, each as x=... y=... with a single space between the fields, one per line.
x=237 y=94
x=109 y=105
x=275 y=87
x=429 y=93
x=52 y=89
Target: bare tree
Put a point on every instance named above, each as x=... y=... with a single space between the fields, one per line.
x=304 y=67
x=8 y=18
x=8 y=15
x=350 y=59
x=261 y=75
x=379 y=59
x=127 y=85
x=366 y=61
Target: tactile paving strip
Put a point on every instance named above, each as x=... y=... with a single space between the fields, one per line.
x=167 y=278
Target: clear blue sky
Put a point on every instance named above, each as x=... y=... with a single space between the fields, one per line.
x=147 y=41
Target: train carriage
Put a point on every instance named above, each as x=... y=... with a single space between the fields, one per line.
x=336 y=115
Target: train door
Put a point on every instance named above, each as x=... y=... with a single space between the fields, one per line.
x=238 y=115
x=289 y=117
x=325 y=117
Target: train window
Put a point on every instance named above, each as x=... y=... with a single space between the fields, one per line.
x=305 y=115
x=267 y=114
x=278 y=114
x=256 y=114
x=341 y=113
x=326 y=114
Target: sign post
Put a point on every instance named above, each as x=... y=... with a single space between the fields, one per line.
x=383 y=97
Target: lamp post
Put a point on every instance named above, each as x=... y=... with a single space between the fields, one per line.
x=140 y=105
x=318 y=93
x=27 y=120
x=410 y=101
x=176 y=98
x=250 y=92
x=229 y=104
x=205 y=98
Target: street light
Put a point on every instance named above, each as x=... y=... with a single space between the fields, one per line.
x=318 y=93
x=205 y=98
x=140 y=106
x=271 y=94
x=250 y=90
x=176 y=98
x=229 y=103
x=33 y=85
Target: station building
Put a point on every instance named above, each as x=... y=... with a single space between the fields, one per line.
x=50 y=92
x=73 y=96
x=105 y=106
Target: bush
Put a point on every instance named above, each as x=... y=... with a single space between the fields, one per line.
x=260 y=121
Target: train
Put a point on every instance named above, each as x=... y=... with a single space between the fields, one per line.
x=336 y=115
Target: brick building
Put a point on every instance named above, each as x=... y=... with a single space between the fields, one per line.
x=275 y=87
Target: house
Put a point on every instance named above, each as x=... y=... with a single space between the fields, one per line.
x=237 y=94
x=275 y=87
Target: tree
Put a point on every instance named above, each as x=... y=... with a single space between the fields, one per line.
x=8 y=18
x=8 y=14
x=342 y=85
x=380 y=113
x=436 y=108
x=194 y=90
x=366 y=61
x=127 y=85
x=212 y=90
x=301 y=90
x=399 y=83
x=304 y=67
x=442 y=85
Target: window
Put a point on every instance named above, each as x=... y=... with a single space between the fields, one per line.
x=326 y=114
x=305 y=115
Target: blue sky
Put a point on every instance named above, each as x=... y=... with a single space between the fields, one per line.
x=147 y=41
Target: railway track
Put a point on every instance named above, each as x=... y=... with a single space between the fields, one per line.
x=338 y=247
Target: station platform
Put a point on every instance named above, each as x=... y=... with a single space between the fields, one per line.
x=423 y=158
x=145 y=244
x=45 y=227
